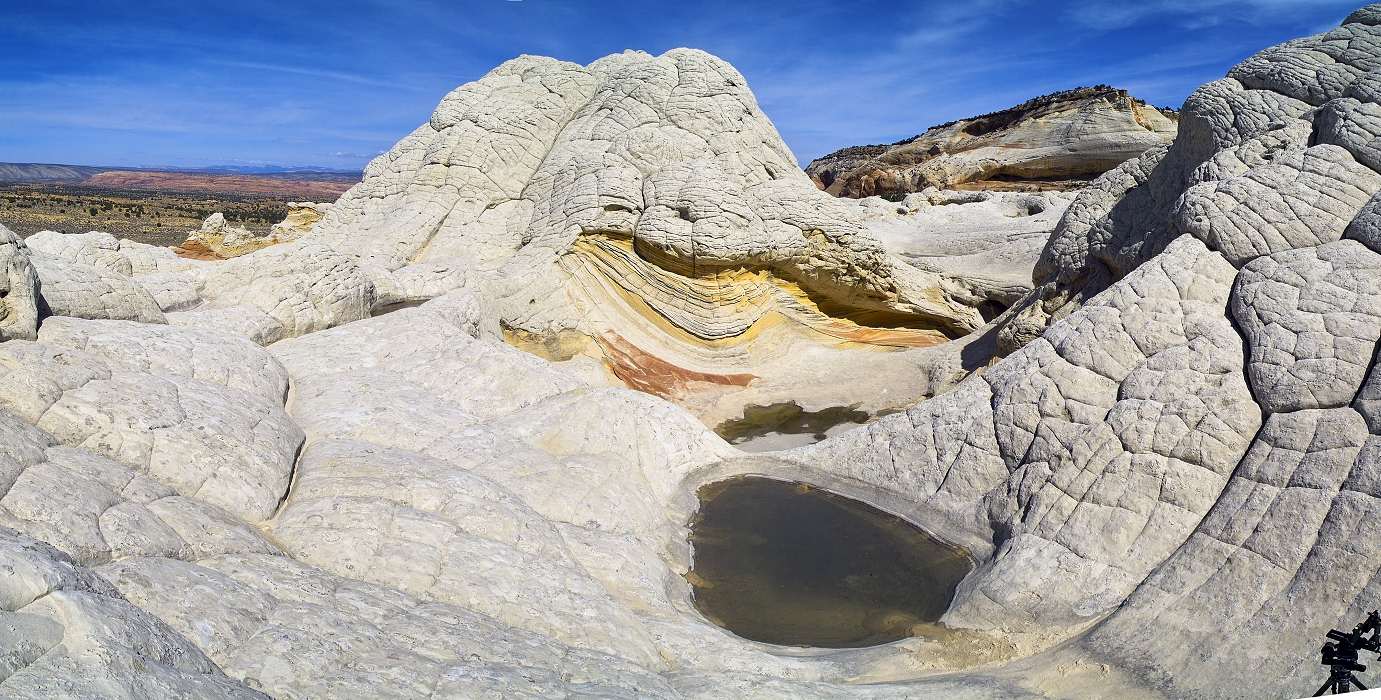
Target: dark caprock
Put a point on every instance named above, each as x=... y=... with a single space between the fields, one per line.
x=786 y=563
x=1340 y=655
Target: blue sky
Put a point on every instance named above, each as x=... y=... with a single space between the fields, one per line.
x=334 y=83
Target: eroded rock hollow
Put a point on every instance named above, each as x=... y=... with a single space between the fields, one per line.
x=1163 y=450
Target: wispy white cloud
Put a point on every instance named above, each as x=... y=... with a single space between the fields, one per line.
x=355 y=156
x=829 y=73
x=310 y=72
x=938 y=26
x=1199 y=14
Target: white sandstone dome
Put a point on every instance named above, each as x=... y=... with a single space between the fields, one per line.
x=273 y=494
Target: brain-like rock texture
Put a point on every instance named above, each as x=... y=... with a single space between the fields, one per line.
x=331 y=473
x=94 y=248
x=643 y=212
x=1053 y=141
x=1312 y=317
x=69 y=633
x=85 y=291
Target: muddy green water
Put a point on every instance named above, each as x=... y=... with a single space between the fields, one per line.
x=785 y=563
x=781 y=426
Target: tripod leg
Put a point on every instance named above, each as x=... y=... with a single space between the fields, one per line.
x=1324 y=688
x=1359 y=683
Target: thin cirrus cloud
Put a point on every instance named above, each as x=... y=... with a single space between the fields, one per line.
x=348 y=155
x=308 y=82
x=1199 y=14
x=309 y=72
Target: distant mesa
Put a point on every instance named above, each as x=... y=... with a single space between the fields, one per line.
x=45 y=172
x=319 y=184
x=297 y=186
x=1058 y=141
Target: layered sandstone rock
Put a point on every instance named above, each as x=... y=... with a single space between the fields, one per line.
x=643 y=212
x=277 y=494
x=219 y=240
x=301 y=217
x=1056 y=141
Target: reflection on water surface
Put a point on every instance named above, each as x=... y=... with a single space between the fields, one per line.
x=785 y=563
x=781 y=426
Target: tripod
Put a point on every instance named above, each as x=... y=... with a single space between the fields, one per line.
x=1342 y=661
x=1340 y=655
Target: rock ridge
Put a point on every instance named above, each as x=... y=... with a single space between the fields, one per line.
x=1054 y=141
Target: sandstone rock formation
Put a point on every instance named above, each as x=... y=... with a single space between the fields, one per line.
x=612 y=231
x=987 y=241
x=18 y=289
x=328 y=475
x=1055 y=141
x=302 y=216
x=219 y=240
x=94 y=248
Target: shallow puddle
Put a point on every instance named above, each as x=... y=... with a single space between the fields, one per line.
x=781 y=426
x=785 y=563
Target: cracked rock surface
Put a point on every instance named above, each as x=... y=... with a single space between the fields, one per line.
x=331 y=473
